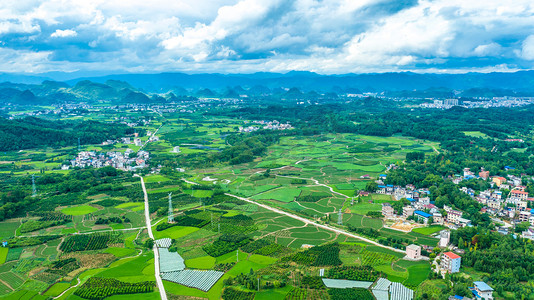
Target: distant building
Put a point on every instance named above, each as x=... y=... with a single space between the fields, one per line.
x=444 y=238
x=524 y=216
x=176 y=149
x=453 y=216
x=387 y=210
x=499 y=180
x=407 y=211
x=413 y=251
x=482 y=290
x=484 y=174
x=421 y=215
x=450 y=262
x=519 y=194
x=137 y=142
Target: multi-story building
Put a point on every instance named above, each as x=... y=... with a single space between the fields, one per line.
x=450 y=262
x=453 y=216
x=413 y=251
x=387 y=210
x=407 y=211
x=524 y=216
x=444 y=238
x=519 y=194
x=499 y=180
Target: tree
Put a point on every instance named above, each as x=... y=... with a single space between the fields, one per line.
x=522 y=227
x=149 y=244
x=371 y=186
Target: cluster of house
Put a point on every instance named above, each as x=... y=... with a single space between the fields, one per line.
x=123 y=161
x=485 y=102
x=270 y=125
x=450 y=262
x=513 y=205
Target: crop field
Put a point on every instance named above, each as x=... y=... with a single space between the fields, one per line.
x=7 y=229
x=311 y=176
x=3 y=254
x=175 y=232
x=79 y=210
x=282 y=194
x=428 y=230
x=203 y=263
x=57 y=289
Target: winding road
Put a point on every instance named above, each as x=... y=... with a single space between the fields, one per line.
x=307 y=221
x=159 y=282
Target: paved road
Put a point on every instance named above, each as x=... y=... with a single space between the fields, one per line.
x=307 y=221
x=159 y=282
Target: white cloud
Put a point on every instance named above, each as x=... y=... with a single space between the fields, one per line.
x=327 y=36
x=527 y=51
x=64 y=33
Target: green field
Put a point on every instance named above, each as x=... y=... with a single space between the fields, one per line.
x=3 y=254
x=284 y=194
x=428 y=230
x=175 y=232
x=57 y=289
x=79 y=210
x=204 y=263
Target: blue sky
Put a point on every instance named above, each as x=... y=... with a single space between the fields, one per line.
x=245 y=36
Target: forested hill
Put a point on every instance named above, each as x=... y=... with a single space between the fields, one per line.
x=34 y=132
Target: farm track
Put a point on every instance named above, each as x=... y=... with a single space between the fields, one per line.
x=307 y=221
x=159 y=282
x=77 y=284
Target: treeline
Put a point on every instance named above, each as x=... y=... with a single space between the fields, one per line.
x=31 y=132
x=64 y=189
x=507 y=260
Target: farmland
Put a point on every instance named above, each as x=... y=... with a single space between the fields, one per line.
x=97 y=215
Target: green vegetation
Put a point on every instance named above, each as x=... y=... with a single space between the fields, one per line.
x=342 y=294
x=79 y=210
x=92 y=241
x=100 y=288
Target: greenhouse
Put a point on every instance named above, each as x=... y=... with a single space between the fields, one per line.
x=163 y=243
x=202 y=280
x=170 y=261
x=346 y=284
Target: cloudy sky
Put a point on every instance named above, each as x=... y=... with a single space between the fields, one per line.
x=244 y=36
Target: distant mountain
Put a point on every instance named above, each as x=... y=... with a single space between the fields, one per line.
x=307 y=81
x=293 y=85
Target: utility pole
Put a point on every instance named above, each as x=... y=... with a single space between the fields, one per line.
x=340 y=217
x=237 y=254
x=79 y=145
x=171 y=217
x=34 y=188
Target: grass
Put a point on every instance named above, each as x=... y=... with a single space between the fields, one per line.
x=261 y=259
x=203 y=263
x=175 y=232
x=417 y=274
x=284 y=194
x=364 y=208
x=132 y=270
x=272 y=294
x=3 y=254
x=120 y=252
x=428 y=230
x=57 y=289
x=79 y=210
x=7 y=229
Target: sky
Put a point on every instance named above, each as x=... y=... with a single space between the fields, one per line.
x=247 y=36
